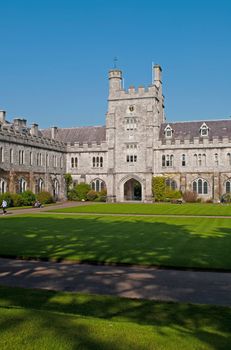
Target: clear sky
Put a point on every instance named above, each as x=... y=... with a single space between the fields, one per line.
x=55 y=56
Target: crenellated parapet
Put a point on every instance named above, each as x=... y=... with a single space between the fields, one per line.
x=87 y=147
x=118 y=92
x=195 y=142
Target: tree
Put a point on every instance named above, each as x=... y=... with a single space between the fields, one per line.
x=158 y=188
x=68 y=182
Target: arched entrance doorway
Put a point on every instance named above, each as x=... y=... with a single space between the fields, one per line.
x=132 y=190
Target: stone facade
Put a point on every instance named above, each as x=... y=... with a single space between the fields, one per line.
x=123 y=156
x=28 y=161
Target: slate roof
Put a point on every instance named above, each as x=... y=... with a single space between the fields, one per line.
x=188 y=130
x=87 y=134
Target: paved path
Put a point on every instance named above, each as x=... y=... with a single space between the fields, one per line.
x=62 y=205
x=130 y=282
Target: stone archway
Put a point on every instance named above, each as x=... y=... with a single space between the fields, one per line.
x=132 y=190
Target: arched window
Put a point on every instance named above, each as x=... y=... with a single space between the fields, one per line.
x=11 y=156
x=168 y=131
x=183 y=160
x=195 y=159
x=216 y=158
x=31 y=158
x=228 y=186
x=200 y=186
x=1 y=155
x=199 y=159
x=98 y=185
x=2 y=186
x=204 y=130
x=47 y=160
x=101 y=162
x=204 y=159
x=163 y=160
x=93 y=162
x=229 y=158
x=22 y=185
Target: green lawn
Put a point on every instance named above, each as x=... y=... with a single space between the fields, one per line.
x=174 y=242
x=149 y=209
x=32 y=319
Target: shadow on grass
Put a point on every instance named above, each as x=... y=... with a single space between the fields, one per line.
x=184 y=243
x=171 y=322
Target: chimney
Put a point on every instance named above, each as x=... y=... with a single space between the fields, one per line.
x=2 y=116
x=20 y=122
x=54 y=130
x=34 y=129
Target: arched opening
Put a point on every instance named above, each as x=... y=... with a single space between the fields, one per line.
x=55 y=189
x=39 y=186
x=2 y=186
x=132 y=190
x=22 y=185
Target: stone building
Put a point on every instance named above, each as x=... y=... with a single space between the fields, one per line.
x=136 y=144
x=28 y=161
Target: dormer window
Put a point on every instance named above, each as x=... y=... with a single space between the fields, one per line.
x=168 y=131
x=204 y=130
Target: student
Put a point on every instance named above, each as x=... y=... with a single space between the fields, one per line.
x=4 y=205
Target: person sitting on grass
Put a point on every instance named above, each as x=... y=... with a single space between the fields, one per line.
x=37 y=204
x=4 y=205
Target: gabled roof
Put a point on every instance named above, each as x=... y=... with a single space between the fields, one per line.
x=87 y=134
x=188 y=130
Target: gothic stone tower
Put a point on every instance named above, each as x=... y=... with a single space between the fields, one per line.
x=132 y=128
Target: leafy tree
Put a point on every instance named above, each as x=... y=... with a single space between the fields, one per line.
x=161 y=192
x=68 y=181
x=79 y=192
x=158 y=188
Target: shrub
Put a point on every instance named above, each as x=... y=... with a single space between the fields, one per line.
x=190 y=197
x=226 y=198
x=28 y=198
x=17 y=199
x=92 y=195
x=82 y=190
x=103 y=196
x=172 y=194
x=8 y=198
x=73 y=195
x=45 y=197
x=158 y=188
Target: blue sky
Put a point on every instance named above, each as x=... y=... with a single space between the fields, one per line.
x=55 y=56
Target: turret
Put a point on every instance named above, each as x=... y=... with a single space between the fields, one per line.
x=157 y=70
x=115 y=80
x=2 y=117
